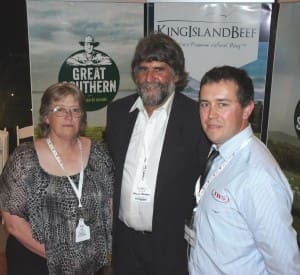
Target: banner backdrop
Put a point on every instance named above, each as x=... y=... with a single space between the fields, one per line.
x=88 y=43
x=216 y=34
x=210 y=35
x=284 y=117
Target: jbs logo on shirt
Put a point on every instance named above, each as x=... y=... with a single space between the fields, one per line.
x=219 y=197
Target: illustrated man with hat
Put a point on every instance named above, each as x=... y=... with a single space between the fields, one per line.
x=89 y=56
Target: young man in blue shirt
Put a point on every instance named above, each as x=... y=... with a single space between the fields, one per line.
x=243 y=222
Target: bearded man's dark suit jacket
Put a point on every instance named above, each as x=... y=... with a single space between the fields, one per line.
x=183 y=156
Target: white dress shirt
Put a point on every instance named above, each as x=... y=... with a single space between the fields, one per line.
x=141 y=165
x=243 y=221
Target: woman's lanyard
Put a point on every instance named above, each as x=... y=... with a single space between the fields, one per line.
x=78 y=191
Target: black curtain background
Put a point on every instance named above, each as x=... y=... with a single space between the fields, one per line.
x=15 y=90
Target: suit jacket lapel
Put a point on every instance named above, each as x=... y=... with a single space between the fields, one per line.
x=172 y=138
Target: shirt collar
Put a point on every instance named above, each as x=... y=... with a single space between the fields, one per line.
x=167 y=106
x=232 y=145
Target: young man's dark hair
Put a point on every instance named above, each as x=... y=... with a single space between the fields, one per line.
x=245 y=92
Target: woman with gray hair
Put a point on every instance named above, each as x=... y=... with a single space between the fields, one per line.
x=55 y=193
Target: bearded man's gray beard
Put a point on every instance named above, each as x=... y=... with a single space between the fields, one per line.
x=155 y=99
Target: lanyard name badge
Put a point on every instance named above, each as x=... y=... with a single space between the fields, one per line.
x=141 y=192
x=189 y=232
x=82 y=232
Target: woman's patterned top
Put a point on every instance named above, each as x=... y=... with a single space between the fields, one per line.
x=50 y=205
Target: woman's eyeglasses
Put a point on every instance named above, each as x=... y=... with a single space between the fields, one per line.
x=63 y=111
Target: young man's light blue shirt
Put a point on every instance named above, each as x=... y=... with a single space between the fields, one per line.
x=243 y=221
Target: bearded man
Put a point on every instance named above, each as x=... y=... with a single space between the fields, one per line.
x=159 y=150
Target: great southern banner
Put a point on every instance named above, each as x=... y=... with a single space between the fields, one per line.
x=89 y=43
